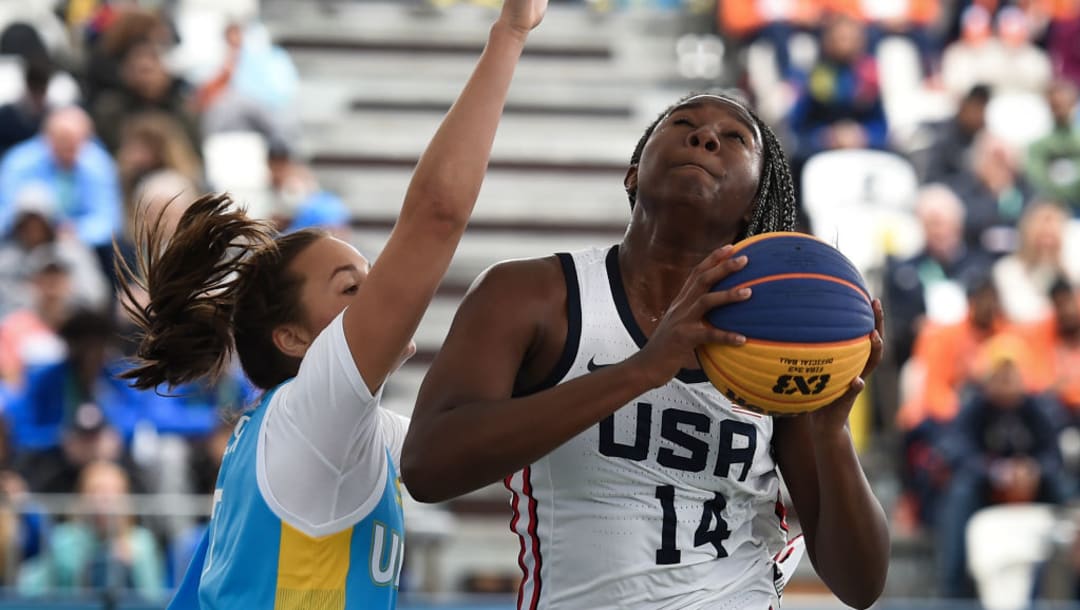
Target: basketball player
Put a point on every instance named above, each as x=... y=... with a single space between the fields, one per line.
x=307 y=511
x=634 y=483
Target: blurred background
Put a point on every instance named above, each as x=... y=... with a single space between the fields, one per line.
x=937 y=144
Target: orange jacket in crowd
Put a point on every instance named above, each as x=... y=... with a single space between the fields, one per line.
x=947 y=354
x=743 y=17
x=1056 y=364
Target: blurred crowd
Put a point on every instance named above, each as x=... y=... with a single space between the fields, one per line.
x=105 y=124
x=979 y=99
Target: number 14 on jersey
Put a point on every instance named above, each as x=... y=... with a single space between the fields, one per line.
x=711 y=529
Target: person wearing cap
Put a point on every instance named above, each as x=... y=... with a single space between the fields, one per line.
x=301 y=202
x=36 y=224
x=77 y=171
x=1001 y=448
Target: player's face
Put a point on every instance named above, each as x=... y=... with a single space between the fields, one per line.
x=333 y=271
x=706 y=152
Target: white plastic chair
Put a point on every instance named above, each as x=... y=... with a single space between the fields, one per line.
x=1018 y=118
x=861 y=201
x=236 y=162
x=12 y=81
x=231 y=9
x=1004 y=546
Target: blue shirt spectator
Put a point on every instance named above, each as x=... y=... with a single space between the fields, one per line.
x=80 y=173
x=840 y=104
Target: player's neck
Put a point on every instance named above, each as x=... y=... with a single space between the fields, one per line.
x=655 y=264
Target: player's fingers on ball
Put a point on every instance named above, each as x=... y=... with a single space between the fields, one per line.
x=879 y=317
x=711 y=300
x=710 y=261
x=719 y=271
x=852 y=392
x=711 y=335
x=877 y=351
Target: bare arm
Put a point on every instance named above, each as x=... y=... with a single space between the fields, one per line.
x=438 y=203
x=846 y=532
x=467 y=431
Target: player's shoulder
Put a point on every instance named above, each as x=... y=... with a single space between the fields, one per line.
x=521 y=293
x=521 y=280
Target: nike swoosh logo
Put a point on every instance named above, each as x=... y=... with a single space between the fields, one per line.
x=593 y=366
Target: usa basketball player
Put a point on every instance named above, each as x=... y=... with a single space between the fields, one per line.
x=634 y=483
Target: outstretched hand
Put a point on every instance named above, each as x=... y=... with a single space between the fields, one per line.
x=522 y=16
x=834 y=415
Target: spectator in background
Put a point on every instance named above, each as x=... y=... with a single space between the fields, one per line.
x=253 y=90
x=1002 y=448
x=1053 y=162
x=775 y=23
x=75 y=410
x=28 y=337
x=102 y=550
x=22 y=522
x=932 y=382
x=149 y=143
x=935 y=277
x=21 y=120
x=1024 y=278
x=1061 y=42
x=123 y=27
x=912 y=19
x=994 y=193
x=300 y=201
x=78 y=172
x=146 y=86
x=1008 y=62
x=1025 y=67
x=160 y=196
x=36 y=225
x=952 y=140
x=1056 y=347
x=840 y=105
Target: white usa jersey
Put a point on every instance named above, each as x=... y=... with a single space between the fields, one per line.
x=671 y=502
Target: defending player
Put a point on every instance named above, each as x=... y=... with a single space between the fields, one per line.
x=634 y=483
x=307 y=510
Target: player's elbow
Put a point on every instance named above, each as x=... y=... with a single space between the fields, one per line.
x=865 y=592
x=420 y=475
x=863 y=600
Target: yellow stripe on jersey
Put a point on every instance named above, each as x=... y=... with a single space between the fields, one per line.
x=311 y=571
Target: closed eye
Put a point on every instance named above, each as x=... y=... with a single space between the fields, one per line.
x=736 y=136
x=352 y=289
x=682 y=121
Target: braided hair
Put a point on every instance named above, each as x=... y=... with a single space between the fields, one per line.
x=774 y=203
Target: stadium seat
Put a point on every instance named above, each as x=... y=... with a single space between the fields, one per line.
x=861 y=202
x=1003 y=111
x=232 y=9
x=11 y=79
x=236 y=162
x=1003 y=567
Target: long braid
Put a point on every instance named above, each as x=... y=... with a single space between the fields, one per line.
x=774 y=204
x=774 y=209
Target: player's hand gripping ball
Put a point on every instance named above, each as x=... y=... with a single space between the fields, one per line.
x=807 y=325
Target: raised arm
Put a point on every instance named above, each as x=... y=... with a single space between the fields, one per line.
x=438 y=203
x=468 y=431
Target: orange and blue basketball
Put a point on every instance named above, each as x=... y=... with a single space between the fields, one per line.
x=807 y=325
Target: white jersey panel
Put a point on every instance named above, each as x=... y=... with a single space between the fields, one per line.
x=672 y=502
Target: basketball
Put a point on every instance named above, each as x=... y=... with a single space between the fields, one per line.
x=807 y=326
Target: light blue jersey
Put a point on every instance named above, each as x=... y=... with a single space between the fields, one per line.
x=251 y=558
